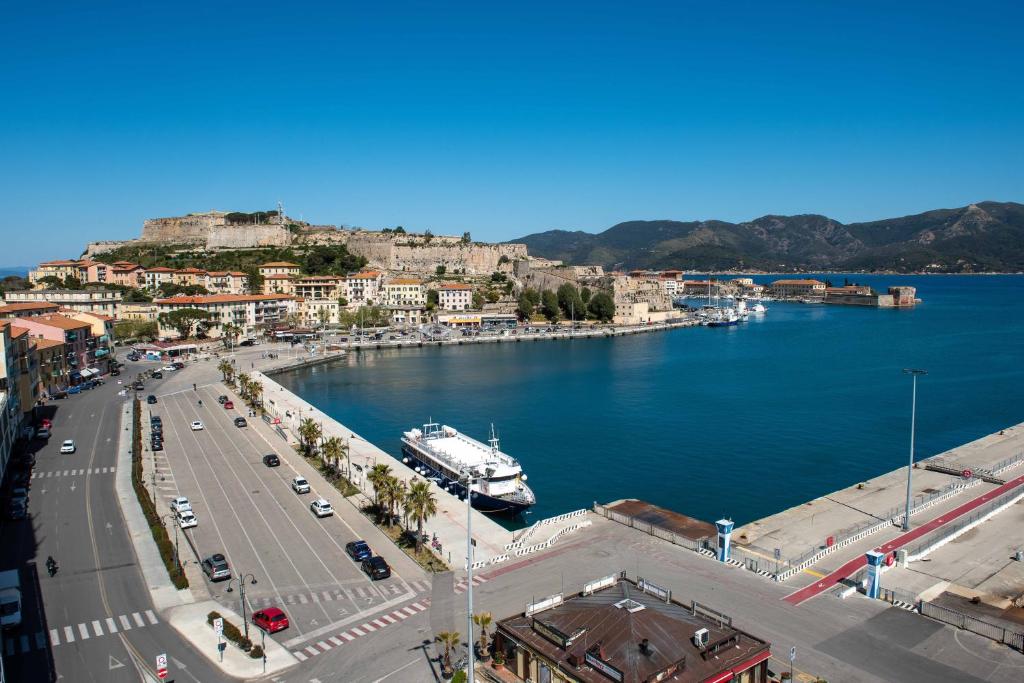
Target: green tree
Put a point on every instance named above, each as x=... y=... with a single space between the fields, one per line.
x=399 y=230
x=466 y=238
x=602 y=307
x=169 y=289
x=421 y=505
x=243 y=386
x=492 y=296
x=432 y=299
x=498 y=277
x=585 y=295
x=378 y=474
x=478 y=300
x=332 y=451
x=570 y=303
x=230 y=332
x=394 y=491
x=441 y=270
x=255 y=393
x=183 y=320
x=226 y=369
x=448 y=639
x=309 y=433
x=524 y=306
x=483 y=620
x=143 y=330
x=549 y=305
x=323 y=316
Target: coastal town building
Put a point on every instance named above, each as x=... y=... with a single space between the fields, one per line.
x=251 y=312
x=53 y=365
x=60 y=269
x=226 y=282
x=83 y=351
x=25 y=375
x=278 y=284
x=798 y=289
x=127 y=274
x=630 y=632
x=137 y=311
x=154 y=277
x=863 y=295
x=10 y=401
x=640 y=300
x=102 y=329
x=364 y=288
x=318 y=287
x=27 y=308
x=473 y=320
x=91 y=300
x=454 y=296
x=317 y=312
x=405 y=292
x=701 y=288
x=280 y=268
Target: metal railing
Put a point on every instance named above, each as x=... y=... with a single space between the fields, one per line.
x=1014 y=639
x=657 y=532
x=951 y=530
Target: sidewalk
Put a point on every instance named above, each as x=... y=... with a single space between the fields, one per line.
x=852 y=566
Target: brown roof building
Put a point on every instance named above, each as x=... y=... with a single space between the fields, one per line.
x=628 y=632
x=27 y=308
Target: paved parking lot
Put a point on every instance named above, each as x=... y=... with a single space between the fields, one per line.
x=248 y=512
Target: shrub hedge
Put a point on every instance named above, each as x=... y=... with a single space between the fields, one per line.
x=156 y=527
x=231 y=632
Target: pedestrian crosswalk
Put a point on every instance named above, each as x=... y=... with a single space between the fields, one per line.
x=460 y=587
x=106 y=626
x=73 y=472
x=366 y=628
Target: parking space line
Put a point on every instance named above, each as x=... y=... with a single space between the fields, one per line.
x=355 y=629
x=299 y=656
x=334 y=639
x=312 y=650
x=323 y=646
x=369 y=628
x=347 y=636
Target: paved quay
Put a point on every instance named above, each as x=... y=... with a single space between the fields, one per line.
x=450 y=522
x=805 y=528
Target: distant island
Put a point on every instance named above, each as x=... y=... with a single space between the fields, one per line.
x=980 y=238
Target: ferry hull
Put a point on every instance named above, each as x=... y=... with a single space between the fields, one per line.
x=481 y=502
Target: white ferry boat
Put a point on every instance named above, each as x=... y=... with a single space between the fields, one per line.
x=441 y=453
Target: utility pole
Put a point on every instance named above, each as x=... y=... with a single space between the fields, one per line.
x=471 y=678
x=241 y=591
x=913 y=418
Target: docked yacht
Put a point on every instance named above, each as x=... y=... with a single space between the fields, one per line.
x=442 y=454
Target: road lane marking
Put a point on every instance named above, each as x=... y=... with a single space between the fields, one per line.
x=83 y=631
x=299 y=656
x=312 y=650
x=814 y=573
x=380 y=623
x=138 y=619
x=69 y=635
x=323 y=646
x=125 y=624
x=151 y=617
x=54 y=637
x=97 y=628
x=111 y=626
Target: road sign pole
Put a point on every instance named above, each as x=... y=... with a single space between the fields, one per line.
x=792 y=658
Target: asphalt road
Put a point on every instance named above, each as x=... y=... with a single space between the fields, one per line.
x=94 y=620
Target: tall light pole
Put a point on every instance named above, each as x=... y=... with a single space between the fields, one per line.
x=241 y=590
x=913 y=418
x=471 y=678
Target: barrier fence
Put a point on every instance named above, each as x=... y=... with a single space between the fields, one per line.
x=949 y=531
x=966 y=622
x=658 y=532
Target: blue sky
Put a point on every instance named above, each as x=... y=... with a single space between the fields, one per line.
x=500 y=118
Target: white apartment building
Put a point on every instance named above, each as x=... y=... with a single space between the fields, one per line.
x=363 y=289
x=455 y=296
x=251 y=312
x=405 y=292
x=105 y=301
x=279 y=268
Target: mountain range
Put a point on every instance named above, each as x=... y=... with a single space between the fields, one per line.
x=983 y=237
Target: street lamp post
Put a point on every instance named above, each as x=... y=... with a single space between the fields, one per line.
x=240 y=579
x=469 y=575
x=913 y=418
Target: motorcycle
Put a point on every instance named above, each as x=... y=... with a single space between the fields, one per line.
x=51 y=566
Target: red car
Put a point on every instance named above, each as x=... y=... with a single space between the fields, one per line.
x=270 y=620
x=228 y=405
x=46 y=423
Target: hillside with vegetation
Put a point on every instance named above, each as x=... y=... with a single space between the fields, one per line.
x=984 y=237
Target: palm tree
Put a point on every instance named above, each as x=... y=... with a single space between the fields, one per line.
x=230 y=331
x=449 y=639
x=376 y=477
x=397 y=491
x=483 y=620
x=331 y=451
x=421 y=505
x=243 y=385
x=226 y=369
x=309 y=432
x=255 y=392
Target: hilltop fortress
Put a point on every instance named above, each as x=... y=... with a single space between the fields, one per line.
x=392 y=251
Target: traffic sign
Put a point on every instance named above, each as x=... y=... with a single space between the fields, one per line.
x=218 y=626
x=792 y=654
x=967 y=474
x=161 y=666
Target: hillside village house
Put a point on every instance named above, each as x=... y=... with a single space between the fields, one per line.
x=363 y=289
x=277 y=284
x=280 y=268
x=127 y=275
x=158 y=276
x=319 y=287
x=310 y=311
x=226 y=282
x=53 y=364
x=789 y=289
x=91 y=300
x=137 y=311
x=455 y=296
x=251 y=312
x=61 y=269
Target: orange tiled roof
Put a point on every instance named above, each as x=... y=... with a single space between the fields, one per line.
x=15 y=331
x=279 y=264
x=57 y=320
x=221 y=299
x=454 y=285
x=41 y=343
x=405 y=281
x=797 y=282
x=279 y=276
x=28 y=306
x=60 y=262
x=161 y=269
x=365 y=275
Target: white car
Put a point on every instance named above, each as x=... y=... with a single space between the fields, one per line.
x=168 y=368
x=197 y=425
x=187 y=519
x=321 y=508
x=68 y=446
x=300 y=485
x=180 y=505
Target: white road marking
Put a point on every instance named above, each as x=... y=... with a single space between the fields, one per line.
x=335 y=640
x=151 y=617
x=69 y=635
x=299 y=656
x=111 y=627
x=323 y=646
x=312 y=650
x=138 y=619
x=83 y=631
x=97 y=628
x=355 y=629
x=349 y=637
x=54 y=637
x=125 y=624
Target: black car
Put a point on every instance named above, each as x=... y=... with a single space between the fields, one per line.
x=358 y=550
x=157 y=375
x=179 y=365
x=138 y=386
x=222 y=399
x=132 y=356
x=376 y=568
x=17 y=510
x=151 y=399
x=240 y=422
x=271 y=460
x=158 y=445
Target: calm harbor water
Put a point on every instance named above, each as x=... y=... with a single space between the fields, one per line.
x=741 y=422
